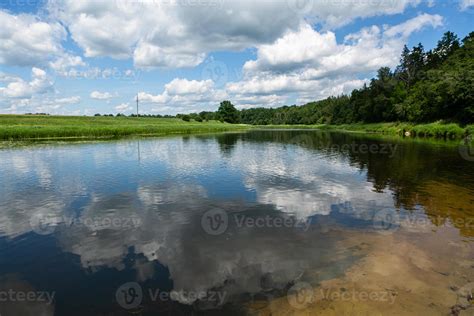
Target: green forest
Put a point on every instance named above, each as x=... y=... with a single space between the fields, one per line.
x=427 y=86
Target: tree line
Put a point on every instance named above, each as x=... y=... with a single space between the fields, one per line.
x=426 y=86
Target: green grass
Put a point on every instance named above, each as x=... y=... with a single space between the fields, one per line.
x=432 y=130
x=25 y=127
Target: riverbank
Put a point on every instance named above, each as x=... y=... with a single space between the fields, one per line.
x=432 y=130
x=27 y=127
x=35 y=127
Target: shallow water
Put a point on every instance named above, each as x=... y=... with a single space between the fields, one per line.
x=264 y=222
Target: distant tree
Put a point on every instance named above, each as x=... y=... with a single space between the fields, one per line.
x=198 y=118
x=97 y=114
x=185 y=118
x=227 y=112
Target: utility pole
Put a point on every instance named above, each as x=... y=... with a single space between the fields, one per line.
x=137 y=104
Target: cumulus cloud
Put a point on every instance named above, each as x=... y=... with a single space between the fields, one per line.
x=101 y=95
x=413 y=25
x=68 y=100
x=184 y=94
x=366 y=50
x=65 y=62
x=304 y=63
x=314 y=65
x=20 y=89
x=123 y=107
x=466 y=4
x=179 y=34
x=27 y=41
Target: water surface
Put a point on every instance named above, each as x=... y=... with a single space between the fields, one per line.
x=234 y=223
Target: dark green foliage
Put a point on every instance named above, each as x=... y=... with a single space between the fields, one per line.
x=425 y=87
x=228 y=113
x=186 y=118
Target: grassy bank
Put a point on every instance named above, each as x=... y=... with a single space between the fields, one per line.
x=23 y=127
x=433 y=130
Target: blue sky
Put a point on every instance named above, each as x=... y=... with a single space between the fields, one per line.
x=86 y=57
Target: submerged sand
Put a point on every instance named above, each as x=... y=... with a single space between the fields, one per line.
x=407 y=272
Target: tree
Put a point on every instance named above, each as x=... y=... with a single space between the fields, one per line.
x=227 y=112
x=447 y=45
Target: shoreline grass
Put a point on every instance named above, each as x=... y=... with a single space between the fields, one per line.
x=36 y=127
x=436 y=130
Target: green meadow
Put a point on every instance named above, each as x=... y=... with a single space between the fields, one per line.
x=24 y=127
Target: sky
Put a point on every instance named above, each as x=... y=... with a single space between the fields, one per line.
x=81 y=57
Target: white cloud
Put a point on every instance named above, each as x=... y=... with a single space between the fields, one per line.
x=123 y=107
x=178 y=34
x=183 y=95
x=320 y=54
x=466 y=4
x=101 y=95
x=314 y=65
x=65 y=62
x=68 y=100
x=20 y=89
x=414 y=25
x=27 y=41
